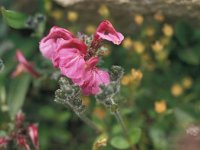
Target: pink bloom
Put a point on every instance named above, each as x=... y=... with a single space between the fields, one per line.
x=19 y=119
x=24 y=66
x=92 y=78
x=56 y=37
x=3 y=142
x=21 y=141
x=71 y=58
x=33 y=134
x=106 y=31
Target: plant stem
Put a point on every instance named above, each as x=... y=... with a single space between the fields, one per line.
x=121 y=122
x=89 y=122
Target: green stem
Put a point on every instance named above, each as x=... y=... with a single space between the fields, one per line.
x=90 y=123
x=121 y=122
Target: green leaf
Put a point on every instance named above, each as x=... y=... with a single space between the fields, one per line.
x=182 y=32
x=14 y=19
x=135 y=135
x=16 y=96
x=189 y=57
x=119 y=142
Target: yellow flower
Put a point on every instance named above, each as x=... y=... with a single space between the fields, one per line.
x=161 y=55
x=168 y=30
x=138 y=19
x=127 y=43
x=90 y=29
x=99 y=112
x=104 y=11
x=187 y=82
x=176 y=90
x=72 y=16
x=57 y=14
x=85 y=100
x=125 y=80
x=138 y=47
x=157 y=47
x=159 y=17
x=150 y=31
x=160 y=106
x=136 y=74
x=165 y=40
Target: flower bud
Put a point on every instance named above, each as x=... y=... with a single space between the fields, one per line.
x=3 y=142
x=19 y=118
x=33 y=134
x=21 y=141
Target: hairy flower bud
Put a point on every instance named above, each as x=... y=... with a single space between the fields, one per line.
x=33 y=134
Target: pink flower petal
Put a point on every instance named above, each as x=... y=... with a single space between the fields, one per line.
x=24 y=65
x=33 y=134
x=106 y=31
x=56 y=37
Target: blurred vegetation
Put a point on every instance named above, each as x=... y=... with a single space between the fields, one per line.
x=160 y=88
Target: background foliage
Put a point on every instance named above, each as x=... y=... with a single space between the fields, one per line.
x=160 y=89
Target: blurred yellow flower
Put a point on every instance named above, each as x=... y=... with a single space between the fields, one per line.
x=136 y=74
x=127 y=43
x=57 y=14
x=138 y=19
x=99 y=112
x=168 y=30
x=187 y=82
x=165 y=40
x=126 y=79
x=150 y=31
x=157 y=47
x=85 y=100
x=160 y=106
x=176 y=90
x=138 y=47
x=159 y=16
x=104 y=11
x=161 y=55
x=72 y=16
x=90 y=29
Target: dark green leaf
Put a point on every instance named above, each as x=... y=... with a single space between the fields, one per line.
x=189 y=57
x=182 y=32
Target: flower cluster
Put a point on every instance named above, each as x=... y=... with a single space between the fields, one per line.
x=21 y=135
x=77 y=59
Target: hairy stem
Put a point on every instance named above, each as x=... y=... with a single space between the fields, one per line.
x=89 y=122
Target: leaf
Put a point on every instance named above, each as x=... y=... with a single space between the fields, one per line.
x=119 y=142
x=189 y=57
x=135 y=135
x=14 y=19
x=182 y=32
x=17 y=93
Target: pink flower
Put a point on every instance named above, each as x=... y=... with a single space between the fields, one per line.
x=106 y=31
x=92 y=78
x=24 y=66
x=3 y=142
x=19 y=119
x=70 y=58
x=56 y=37
x=21 y=141
x=33 y=134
